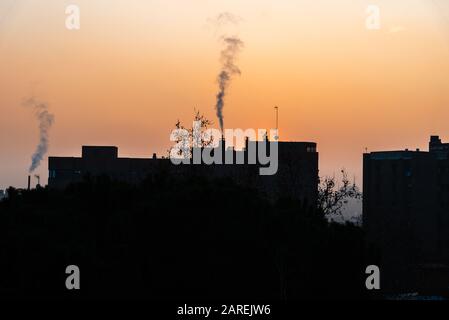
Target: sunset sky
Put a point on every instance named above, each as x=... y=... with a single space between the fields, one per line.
x=136 y=66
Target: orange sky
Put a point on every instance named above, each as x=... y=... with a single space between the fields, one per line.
x=137 y=66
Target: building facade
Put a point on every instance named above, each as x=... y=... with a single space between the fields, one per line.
x=297 y=174
x=406 y=214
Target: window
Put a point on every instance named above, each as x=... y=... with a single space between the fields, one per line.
x=311 y=149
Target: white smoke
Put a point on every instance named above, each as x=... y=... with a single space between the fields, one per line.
x=232 y=46
x=229 y=69
x=46 y=120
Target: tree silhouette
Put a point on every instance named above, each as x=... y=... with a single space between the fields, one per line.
x=177 y=239
x=333 y=196
x=193 y=135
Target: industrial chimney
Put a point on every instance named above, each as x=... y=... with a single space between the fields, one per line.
x=223 y=150
x=29 y=182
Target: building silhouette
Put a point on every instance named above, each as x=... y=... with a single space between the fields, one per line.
x=297 y=174
x=406 y=215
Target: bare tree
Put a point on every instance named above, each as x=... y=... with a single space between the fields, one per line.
x=333 y=196
x=197 y=135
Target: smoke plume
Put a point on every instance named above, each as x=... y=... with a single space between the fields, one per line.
x=233 y=45
x=223 y=22
x=46 y=120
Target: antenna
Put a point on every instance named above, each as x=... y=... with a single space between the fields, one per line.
x=276 y=109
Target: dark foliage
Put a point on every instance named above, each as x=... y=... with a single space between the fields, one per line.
x=174 y=239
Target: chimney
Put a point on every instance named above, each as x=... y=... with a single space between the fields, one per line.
x=29 y=182
x=223 y=150
x=267 y=144
x=246 y=157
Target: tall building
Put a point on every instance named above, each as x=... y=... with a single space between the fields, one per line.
x=406 y=215
x=297 y=174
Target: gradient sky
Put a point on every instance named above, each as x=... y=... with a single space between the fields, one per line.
x=136 y=66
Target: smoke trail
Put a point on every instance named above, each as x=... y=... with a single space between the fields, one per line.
x=222 y=22
x=46 y=120
x=229 y=68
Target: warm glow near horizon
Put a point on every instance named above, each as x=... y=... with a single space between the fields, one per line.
x=137 y=66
